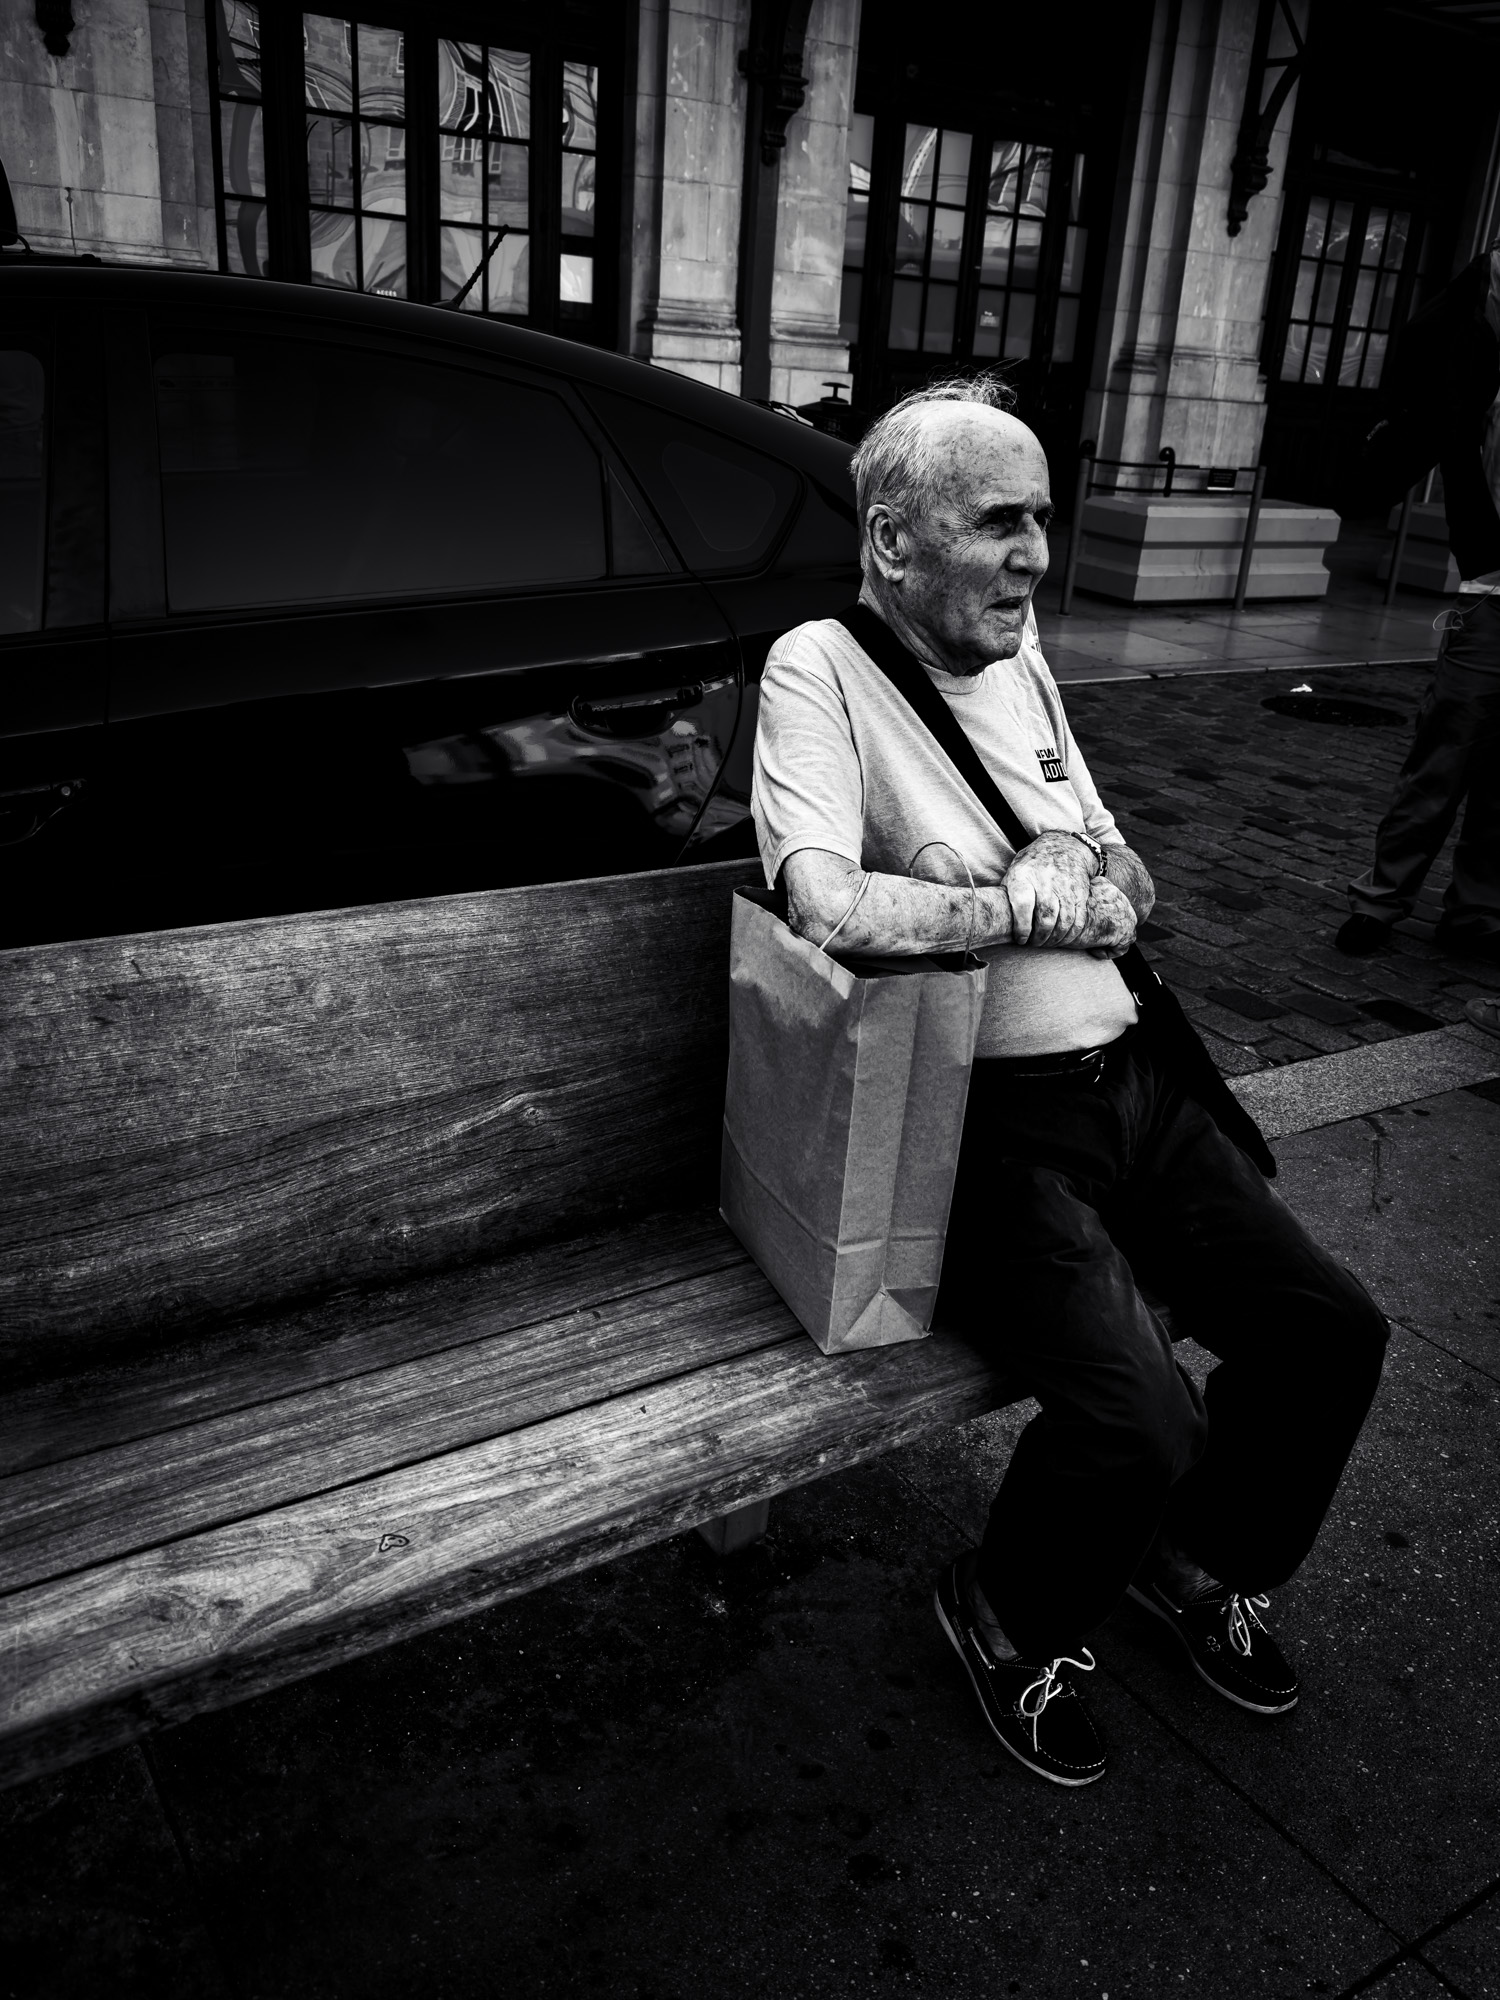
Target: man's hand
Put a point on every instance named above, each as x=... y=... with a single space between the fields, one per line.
x=1109 y=929
x=1049 y=885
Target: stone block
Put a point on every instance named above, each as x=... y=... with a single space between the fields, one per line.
x=1143 y=548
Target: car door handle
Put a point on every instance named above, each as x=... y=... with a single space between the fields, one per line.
x=642 y=714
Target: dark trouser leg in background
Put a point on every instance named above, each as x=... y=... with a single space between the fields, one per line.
x=1059 y=1182
x=1456 y=750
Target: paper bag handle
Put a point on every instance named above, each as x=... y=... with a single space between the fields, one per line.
x=973 y=892
x=858 y=896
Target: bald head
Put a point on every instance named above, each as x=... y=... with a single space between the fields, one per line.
x=953 y=499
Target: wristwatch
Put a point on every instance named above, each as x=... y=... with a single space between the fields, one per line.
x=1095 y=849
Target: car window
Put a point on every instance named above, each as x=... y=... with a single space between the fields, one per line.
x=23 y=466
x=294 y=472
x=724 y=504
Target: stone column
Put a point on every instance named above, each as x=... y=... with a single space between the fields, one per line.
x=108 y=147
x=806 y=350
x=690 y=151
x=1177 y=356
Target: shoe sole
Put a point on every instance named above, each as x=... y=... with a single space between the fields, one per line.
x=1041 y=1770
x=1255 y=1707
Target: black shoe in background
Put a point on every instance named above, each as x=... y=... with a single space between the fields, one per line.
x=1358 y=936
x=1032 y=1707
x=1467 y=943
x=1227 y=1645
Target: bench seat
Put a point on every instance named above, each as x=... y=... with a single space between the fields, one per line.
x=203 y=1523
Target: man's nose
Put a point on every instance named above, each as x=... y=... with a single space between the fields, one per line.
x=1029 y=549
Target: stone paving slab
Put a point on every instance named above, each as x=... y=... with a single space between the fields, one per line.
x=1328 y=1089
x=1252 y=823
x=1469 y=1953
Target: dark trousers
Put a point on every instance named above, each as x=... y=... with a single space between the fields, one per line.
x=1455 y=754
x=1071 y=1188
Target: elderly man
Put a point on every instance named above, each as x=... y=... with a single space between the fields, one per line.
x=1085 y=1166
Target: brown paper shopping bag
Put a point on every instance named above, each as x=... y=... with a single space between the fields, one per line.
x=842 y=1121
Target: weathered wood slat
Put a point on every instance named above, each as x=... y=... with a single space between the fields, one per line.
x=60 y=1518
x=100 y=1657
x=197 y=1124
x=351 y=1334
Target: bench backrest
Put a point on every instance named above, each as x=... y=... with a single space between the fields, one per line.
x=199 y=1124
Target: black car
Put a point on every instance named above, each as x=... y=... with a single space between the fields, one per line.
x=311 y=599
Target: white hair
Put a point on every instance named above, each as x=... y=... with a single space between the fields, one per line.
x=898 y=459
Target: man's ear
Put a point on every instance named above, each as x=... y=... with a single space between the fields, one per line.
x=888 y=541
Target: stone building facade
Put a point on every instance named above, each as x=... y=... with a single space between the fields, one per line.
x=1178 y=223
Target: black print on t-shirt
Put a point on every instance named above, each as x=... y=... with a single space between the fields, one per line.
x=1052 y=766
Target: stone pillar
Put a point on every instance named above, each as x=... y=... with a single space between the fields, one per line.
x=108 y=148
x=806 y=350
x=690 y=152
x=1177 y=360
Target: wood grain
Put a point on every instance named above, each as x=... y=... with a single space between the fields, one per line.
x=97 y=1658
x=74 y=1515
x=351 y=1333
x=198 y=1124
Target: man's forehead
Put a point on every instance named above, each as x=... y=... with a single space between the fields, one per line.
x=988 y=453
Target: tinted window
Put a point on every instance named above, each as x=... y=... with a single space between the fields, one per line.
x=22 y=469
x=294 y=472
x=724 y=503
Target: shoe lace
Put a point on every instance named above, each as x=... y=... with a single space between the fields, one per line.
x=1033 y=1699
x=1242 y=1610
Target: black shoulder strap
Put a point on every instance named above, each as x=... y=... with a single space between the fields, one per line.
x=909 y=678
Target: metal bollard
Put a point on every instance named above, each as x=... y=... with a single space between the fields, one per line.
x=1252 y=522
x=1075 y=534
x=1398 y=553
x=1167 y=457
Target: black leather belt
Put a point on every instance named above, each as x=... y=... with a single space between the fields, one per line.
x=1087 y=1063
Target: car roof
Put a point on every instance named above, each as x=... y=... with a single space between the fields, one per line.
x=824 y=458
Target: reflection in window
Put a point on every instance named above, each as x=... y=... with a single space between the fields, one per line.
x=356 y=154
x=580 y=124
x=294 y=473
x=22 y=489
x=929 y=238
x=1070 y=286
x=484 y=174
x=1373 y=300
x=1320 y=273
x=856 y=222
x=242 y=139
x=1010 y=259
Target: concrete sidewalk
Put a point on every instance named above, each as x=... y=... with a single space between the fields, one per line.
x=678 y=1777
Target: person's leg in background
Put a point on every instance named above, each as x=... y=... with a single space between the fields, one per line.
x=1455 y=738
x=1471 y=902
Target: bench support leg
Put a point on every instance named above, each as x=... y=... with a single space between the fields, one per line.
x=737 y=1530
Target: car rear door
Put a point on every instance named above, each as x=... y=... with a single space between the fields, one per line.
x=52 y=626
x=407 y=626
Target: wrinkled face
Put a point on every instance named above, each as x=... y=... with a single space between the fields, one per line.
x=963 y=572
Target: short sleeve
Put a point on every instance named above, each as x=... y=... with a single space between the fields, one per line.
x=807 y=789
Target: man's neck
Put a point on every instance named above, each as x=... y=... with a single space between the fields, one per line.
x=917 y=642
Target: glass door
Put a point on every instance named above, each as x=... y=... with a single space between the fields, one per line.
x=966 y=248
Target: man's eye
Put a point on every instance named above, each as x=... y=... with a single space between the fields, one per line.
x=1044 y=518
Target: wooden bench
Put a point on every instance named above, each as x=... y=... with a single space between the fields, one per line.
x=361 y=1270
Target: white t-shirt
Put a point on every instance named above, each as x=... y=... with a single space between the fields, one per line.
x=842 y=763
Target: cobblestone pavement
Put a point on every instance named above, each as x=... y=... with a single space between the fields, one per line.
x=1252 y=823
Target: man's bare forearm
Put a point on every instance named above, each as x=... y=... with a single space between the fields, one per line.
x=1127 y=871
x=895 y=915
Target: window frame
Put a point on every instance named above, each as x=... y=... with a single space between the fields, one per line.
x=1362 y=197
x=550 y=41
